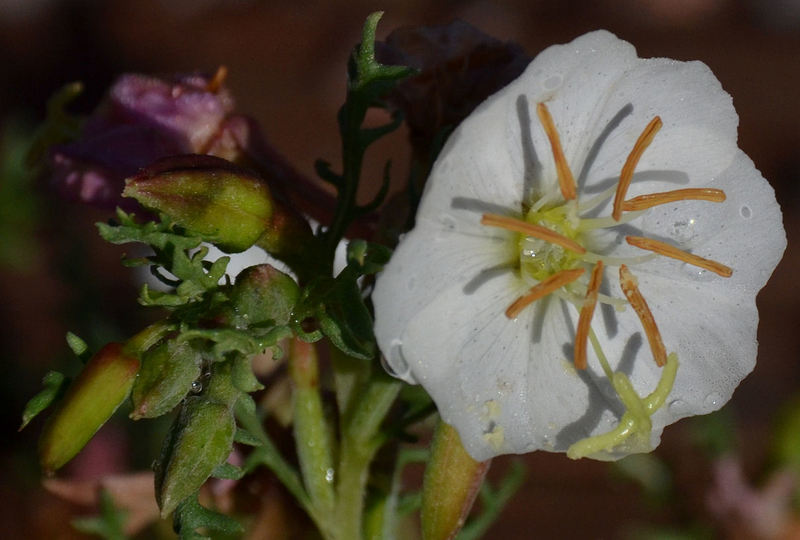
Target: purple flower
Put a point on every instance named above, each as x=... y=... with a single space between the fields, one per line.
x=142 y=119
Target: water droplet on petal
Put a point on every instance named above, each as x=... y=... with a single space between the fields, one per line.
x=678 y=407
x=683 y=231
x=553 y=82
x=448 y=223
x=698 y=274
x=396 y=365
x=713 y=400
x=745 y=212
x=197 y=387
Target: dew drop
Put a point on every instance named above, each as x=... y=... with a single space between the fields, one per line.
x=396 y=365
x=553 y=82
x=197 y=387
x=329 y=476
x=698 y=274
x=713 y=400
x=683 y=231
x=678 y=407
x=745 y=212
x=448 y=222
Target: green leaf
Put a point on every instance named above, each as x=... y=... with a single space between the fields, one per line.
x=242 y=436
x=78 y=346
x=54 y=385
x=190 y=516
x=110 y=524
x=367 y=257
x=59 y=126
x=227 y=471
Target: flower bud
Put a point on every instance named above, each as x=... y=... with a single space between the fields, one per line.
x=452 y=480
x=263 y=293
x=199 y=440
x=209 y=197
x=92 y=398
x=167 y=373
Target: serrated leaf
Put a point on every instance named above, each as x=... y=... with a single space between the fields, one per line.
x=243 y=436
x=226 y=471
x=54 y=385
x=109 y=524
x=367 y=257
x=190 y=516
x=78 y=346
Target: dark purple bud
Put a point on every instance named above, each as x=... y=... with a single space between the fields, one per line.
x=459 y=67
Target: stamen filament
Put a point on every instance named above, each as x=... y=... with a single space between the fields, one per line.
x=565 y=179
x=627 y=282
x=529 y=229
x=585 y=318
x=667 y=250
x=216 y=81
x=542 y=289
x=643 y=202
x=626 y=175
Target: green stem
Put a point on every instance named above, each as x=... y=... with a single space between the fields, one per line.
x=269 y=456
x=311 y=431
x=360 y=441
x=350 y=118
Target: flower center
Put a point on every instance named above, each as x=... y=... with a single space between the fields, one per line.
x=540 y=258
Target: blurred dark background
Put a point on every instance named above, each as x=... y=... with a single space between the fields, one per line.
x=286 y=63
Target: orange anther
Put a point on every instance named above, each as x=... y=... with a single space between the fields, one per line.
x=542 y=289
x=217 y=80
x=667 y=250
x=585 y=319
x=626 y=175
x=565 y=179
x=643 y=202
x=629 y=286
x=529 y=229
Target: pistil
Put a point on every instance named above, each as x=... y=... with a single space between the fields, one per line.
x=629 y=286
x=585 y=319
x=643 y=202
x=565 y=179
x=542 y=289
x=626 y=175
x=667 y=250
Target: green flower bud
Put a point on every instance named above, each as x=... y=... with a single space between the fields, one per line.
x=199 y=440
x=261 y=294
x=167 y=373
x=452 y=480
x=226 y=205
x=92 y=398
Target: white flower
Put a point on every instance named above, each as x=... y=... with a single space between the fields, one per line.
x=454 y=308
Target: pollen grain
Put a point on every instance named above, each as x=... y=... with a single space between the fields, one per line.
x=643 y=202
x=542 y=289
x=565 y=179
x=667 y=250
x=626 y=175
x=585 y=318
x=529 y=229
x=627 y=282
